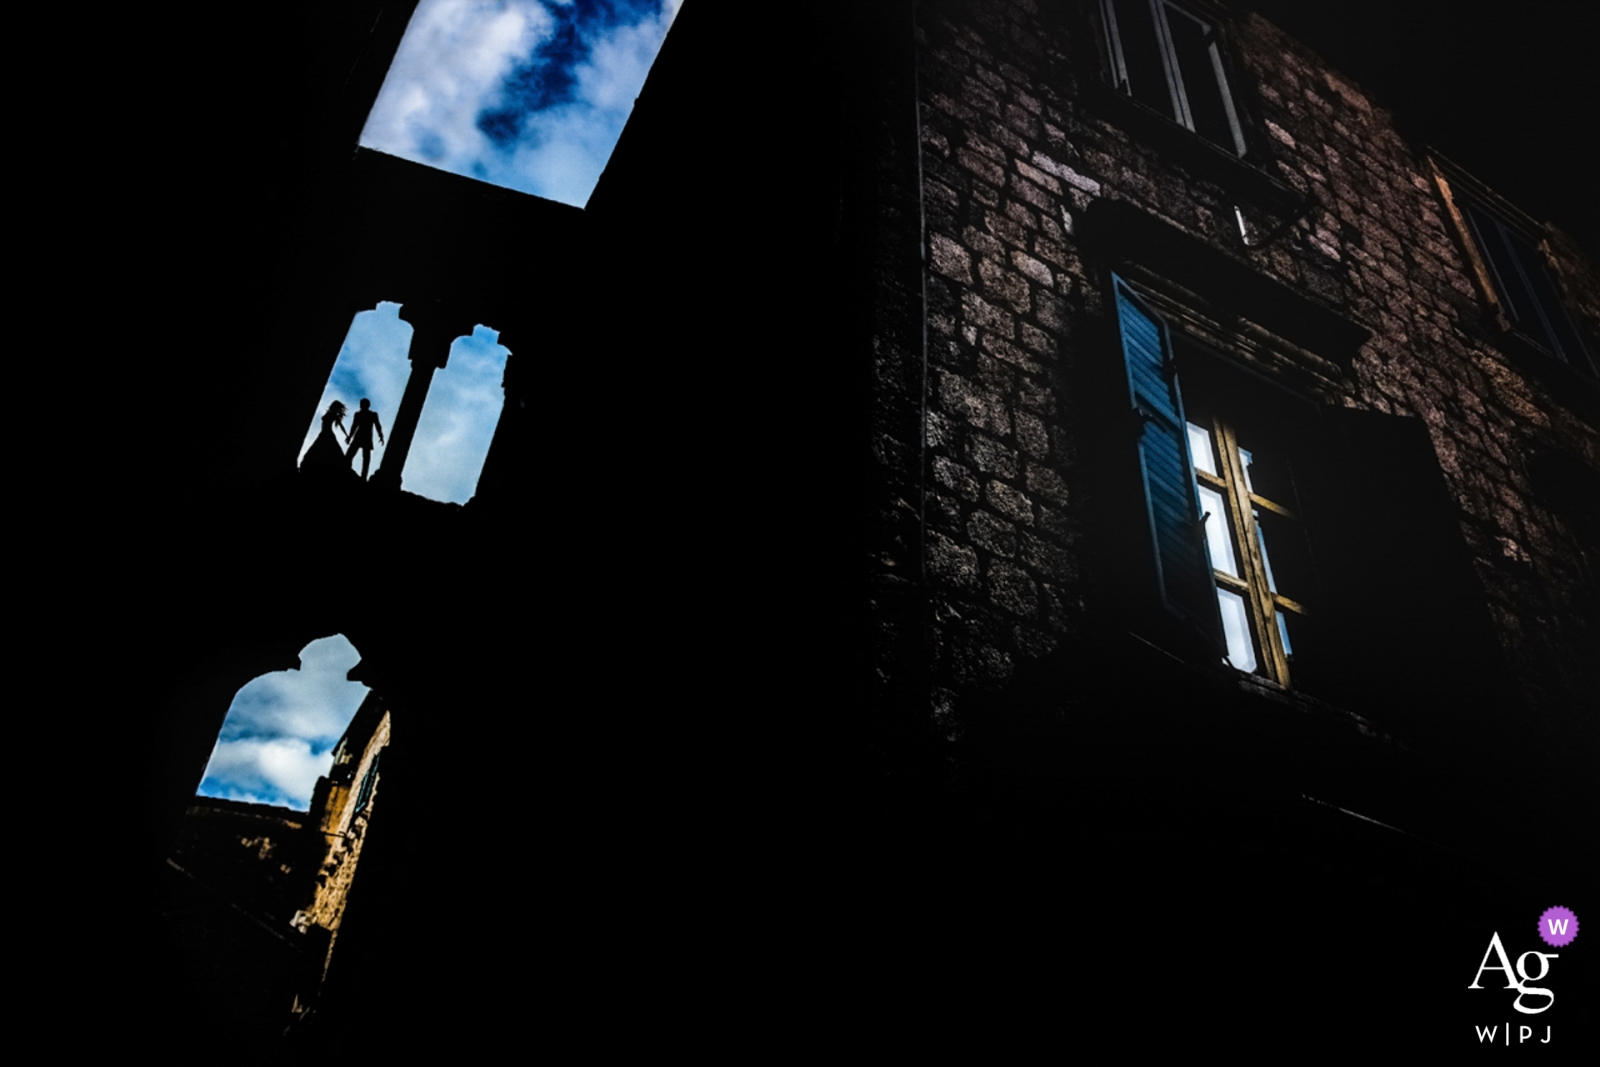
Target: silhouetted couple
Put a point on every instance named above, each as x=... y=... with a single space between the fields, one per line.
x=324 y=453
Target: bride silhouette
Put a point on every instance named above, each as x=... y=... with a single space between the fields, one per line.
x=326 y=455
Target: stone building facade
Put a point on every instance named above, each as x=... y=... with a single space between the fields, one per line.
x=1307 y=246
x=255 y=893
x=343 y=806
x=842 y=618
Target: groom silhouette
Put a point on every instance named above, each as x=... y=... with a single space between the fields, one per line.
x=361 y=427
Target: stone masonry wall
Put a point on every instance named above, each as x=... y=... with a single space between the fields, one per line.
x=1012 y=157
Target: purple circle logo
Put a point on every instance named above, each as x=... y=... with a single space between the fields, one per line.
x=1558 y=926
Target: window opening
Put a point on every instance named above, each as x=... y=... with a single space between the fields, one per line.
x=454 y=430
x=1520 y=278
x=1506 y=256
x=458 y=419
x=267 y=851
x=1170 y=59
x=281 y=730
x=1220 y=513
x=1235 y=516
x=530 y=95
x=371 y=365
x=368 y=782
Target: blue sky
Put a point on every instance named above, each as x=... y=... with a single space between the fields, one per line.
x=458 y=418
x=280 y=730
x=528 y=94
x=372 y=363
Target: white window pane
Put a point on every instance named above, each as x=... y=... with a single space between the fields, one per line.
x=1200 y=449
x=1217 y=540
x=1266 y=561
x=1283 y=632
x=1236 y=628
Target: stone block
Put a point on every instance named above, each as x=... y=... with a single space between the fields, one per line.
x=1012 y=589
x=980 y=312
x=992 y=457
x=1046 y=483
x=949 y=258
x=952 y=475
x=1011 y=503
x=992 y=534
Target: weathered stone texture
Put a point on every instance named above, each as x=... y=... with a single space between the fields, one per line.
x=1013 y=157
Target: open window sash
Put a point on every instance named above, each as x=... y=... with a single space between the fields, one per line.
x=1170 y=60
x=1402 y=626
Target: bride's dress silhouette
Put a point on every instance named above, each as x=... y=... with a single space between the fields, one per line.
x=326 y=454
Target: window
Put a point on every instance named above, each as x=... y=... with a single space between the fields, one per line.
x=1171 y=60
x=1224 y=519
x=1504 y=253
x=369 y=780
x=1255 y=520
x=1239 y=524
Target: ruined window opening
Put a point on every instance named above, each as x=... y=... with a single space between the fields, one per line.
x=531 y=96
x=371 y=365
x=458 y=420
x=1171 y=60
x=283 y=730
x=450 y=441
x=1505 y=254
x=268 y=849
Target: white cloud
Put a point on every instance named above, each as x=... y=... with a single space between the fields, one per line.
x=281 y=771
x=458 y=420
x=280 y=730
x=452 y=60
x=450 y=69
x=372 y=363
x=618 y=64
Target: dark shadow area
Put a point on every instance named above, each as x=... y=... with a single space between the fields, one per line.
x=788 y=674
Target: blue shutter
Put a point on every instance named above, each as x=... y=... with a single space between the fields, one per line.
x=1183 y=571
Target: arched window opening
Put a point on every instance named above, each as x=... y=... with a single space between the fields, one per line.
x=372 y=365
x=267 y=852
x=458 y=420
x=530 y=95
x=282 y=728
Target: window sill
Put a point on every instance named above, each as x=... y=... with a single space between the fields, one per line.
x=1240 y=176
x=1255 y=690
x=1330 y=714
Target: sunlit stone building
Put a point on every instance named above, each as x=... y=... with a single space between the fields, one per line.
x=254 y=894
x=1063 y=490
